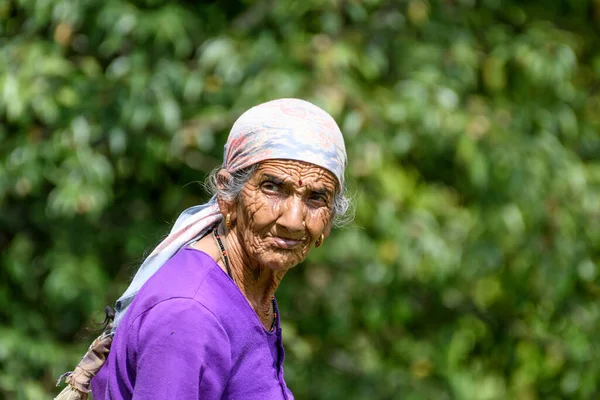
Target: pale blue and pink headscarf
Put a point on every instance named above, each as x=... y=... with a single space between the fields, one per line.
x=290 y=129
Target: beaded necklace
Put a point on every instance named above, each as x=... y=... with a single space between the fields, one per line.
x=226 y=261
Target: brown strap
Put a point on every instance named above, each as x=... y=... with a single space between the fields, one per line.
x=91 y=363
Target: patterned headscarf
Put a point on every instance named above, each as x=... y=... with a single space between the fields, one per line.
x=290 y=129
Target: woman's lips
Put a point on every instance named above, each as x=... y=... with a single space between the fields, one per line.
x=285 y=243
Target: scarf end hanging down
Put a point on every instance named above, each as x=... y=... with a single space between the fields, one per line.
x=80 y=379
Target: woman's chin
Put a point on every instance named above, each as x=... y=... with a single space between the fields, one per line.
x=279 y=262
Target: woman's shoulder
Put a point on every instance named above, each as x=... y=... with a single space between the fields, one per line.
x=187 y=275
x=190 y=280
x=182 y=275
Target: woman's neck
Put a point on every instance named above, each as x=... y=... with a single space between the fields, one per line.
x=257 y=283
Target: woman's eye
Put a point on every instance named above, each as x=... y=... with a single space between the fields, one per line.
x=319 y=198
x=270 y=187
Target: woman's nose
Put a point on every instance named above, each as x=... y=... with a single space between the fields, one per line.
x=293 y=215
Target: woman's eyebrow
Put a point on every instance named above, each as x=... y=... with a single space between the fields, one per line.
x=321 y=191
x=280 y=181
x=273 y=178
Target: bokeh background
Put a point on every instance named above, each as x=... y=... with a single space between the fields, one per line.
x=471 y=268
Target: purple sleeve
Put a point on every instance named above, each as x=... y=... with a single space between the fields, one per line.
x=182 y=352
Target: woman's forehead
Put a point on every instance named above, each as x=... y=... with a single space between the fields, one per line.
x=296 y=170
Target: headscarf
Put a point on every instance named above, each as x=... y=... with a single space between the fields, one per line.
x=290 y=129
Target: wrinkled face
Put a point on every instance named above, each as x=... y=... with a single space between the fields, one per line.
x=283 y=209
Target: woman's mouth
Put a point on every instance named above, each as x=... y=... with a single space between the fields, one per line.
x=286 y=243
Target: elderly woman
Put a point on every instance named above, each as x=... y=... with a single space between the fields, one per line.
x=200 y=320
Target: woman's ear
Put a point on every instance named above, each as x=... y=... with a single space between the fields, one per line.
x=226 y=206
x=223 y=179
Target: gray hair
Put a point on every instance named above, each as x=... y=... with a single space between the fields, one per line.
x=343 y=211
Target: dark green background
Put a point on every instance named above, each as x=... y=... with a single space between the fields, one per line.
x=471 y=270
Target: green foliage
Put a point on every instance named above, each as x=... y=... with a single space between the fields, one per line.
x=471 y=271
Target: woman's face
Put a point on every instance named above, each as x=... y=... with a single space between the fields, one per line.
x=283 y=209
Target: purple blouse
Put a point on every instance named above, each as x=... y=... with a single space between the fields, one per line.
x=191 y=334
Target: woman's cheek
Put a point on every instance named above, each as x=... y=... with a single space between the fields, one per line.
x=254 y=210
x=321 y=220
x=265 y=216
